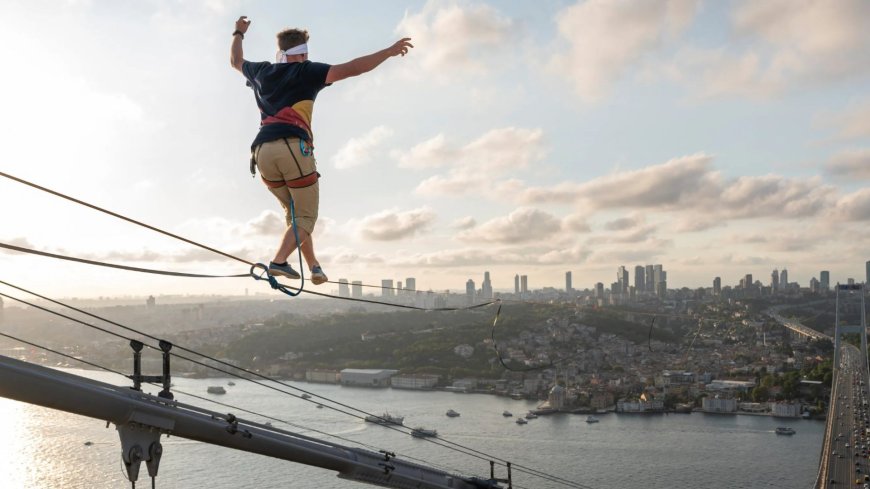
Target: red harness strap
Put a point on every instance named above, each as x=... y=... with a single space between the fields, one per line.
x=301 y=182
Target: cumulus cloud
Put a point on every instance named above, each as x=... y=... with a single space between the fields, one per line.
x=692 y=224
x=850 y=164
x=466 y=222
x=854 y=206
x=470 y=166
x=672 y=183
x=606 y=37
x=20 y=242
x=456 y=37
x=852 y=123
x=575 y=223
x=789 y=44
x=392 y=225
x=570 y=256
x=624 y=223
x=774 y=195
x=520 y=226
x=268 y=223
x=362 y=150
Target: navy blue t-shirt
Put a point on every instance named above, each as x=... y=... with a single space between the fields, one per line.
x=285 y=94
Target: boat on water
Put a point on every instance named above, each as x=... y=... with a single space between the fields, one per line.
x=216 y=389
x=451 y=413
x=531 y=415
x=785 y=430
x=386 y=419
x=421 y=432
x=521 y=421
x=507 y=414
x=591 y=419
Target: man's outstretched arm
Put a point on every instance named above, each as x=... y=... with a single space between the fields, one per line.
x=364 y=64
x=236 y=54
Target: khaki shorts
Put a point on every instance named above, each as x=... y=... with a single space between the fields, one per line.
x=280 y=163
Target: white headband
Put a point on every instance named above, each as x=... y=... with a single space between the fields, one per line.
x=281 y=56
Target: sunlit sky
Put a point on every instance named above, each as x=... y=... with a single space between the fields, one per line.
x=535 y=138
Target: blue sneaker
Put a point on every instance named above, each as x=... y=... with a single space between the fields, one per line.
x=283 y=270
x=317 y=275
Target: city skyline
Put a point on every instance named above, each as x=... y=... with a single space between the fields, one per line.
x=714 y=137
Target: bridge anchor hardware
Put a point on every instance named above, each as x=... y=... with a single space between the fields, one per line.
x=138 y=378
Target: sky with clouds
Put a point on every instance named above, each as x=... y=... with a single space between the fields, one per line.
x=534 y=138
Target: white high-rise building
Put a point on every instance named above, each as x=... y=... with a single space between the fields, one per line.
x=343 y=289
x=356 y=289
x=486 y=287
x=387 y=287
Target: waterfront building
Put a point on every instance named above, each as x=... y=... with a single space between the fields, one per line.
x=367 y=377
x=640 y=406
x=323 y=376
x=557 y=397
x=719 y=405
x=417 y=381
x=731 y=385
x=786 y=409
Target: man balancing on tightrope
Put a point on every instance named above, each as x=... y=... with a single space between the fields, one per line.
x=283 y=150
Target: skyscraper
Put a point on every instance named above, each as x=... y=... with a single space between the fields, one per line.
x=469 y=292
x=622 y=280
x=486 y=287
x=774 y=280
x=825 y=280
x=570 y=288
x=639 y=279
x=411 y=284
x=867 y=279
x=524 y=284
x=599 y=290
x=650 y=279
x=517 y=284
x=747 y=281
x=783 y=279
x=387 y=287
x=356 y=289
x=343 y=289
x=717 y=286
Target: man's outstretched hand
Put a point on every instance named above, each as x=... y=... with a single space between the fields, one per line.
x=242 y=24
x=401 y=47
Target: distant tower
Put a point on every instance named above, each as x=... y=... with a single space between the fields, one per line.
x=650 y=278
x=343 y=289
x=387 y=287
x=825 y=280
x=569 y=288
x=469 y=292
x=151 y=301
x=524 y=284
x=848 y=297
x=411 y=284
x=356 y=289
x=717 y=286
x=639 y=279
x=517 y=284
x=622 y=280
x=599 y=290
x=747 y=281
x=867 y=279
x=486 y=286
x=783 y=279
x=774 y=280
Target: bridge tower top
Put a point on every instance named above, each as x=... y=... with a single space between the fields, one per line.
x=850 y=316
